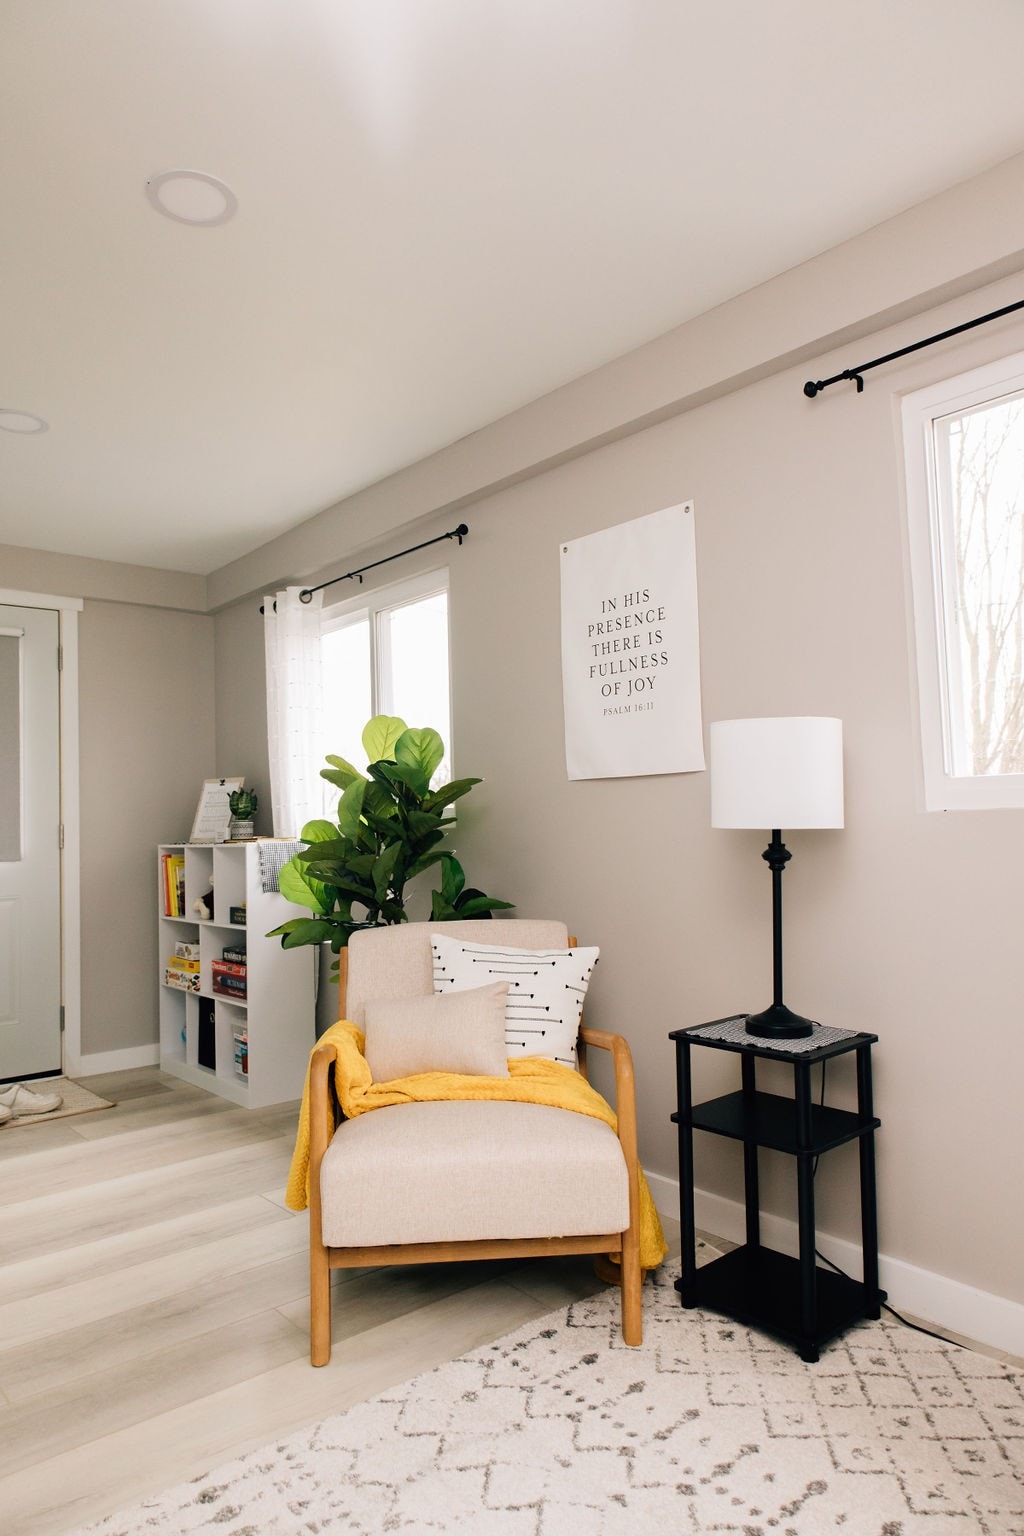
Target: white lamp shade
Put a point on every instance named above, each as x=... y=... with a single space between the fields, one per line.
x=777 y=773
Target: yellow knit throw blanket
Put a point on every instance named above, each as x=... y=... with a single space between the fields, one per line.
x=532 y=1080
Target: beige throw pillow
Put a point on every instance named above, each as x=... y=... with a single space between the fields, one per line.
x=463 y=1032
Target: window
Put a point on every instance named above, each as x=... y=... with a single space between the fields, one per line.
x=386 y=652
x=964 y=441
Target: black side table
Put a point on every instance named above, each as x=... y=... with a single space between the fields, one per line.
x=793 y=1298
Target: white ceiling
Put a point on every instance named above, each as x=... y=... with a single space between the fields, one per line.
x=446 y=208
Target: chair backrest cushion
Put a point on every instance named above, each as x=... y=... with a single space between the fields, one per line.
x=398 y=962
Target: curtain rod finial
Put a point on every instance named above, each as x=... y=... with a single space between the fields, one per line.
x=811 y=388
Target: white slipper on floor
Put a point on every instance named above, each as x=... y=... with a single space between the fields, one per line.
x=19 y=1100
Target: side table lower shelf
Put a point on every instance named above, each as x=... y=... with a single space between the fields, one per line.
x=760 y=1287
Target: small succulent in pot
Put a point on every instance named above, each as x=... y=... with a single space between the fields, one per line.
x=243 y=804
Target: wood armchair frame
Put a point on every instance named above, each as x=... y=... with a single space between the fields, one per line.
x=322 y=1259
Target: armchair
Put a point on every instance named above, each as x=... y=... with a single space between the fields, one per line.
x=436 y=1181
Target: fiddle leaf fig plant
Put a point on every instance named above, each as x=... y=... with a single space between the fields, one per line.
x=391 y=828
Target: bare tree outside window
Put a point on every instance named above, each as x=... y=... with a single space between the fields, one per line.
x=980 y=471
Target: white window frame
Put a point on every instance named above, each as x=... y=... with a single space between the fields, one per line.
x=382 y=600
x=930 y=547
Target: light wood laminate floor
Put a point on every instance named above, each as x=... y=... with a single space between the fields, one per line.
x=153 y=1302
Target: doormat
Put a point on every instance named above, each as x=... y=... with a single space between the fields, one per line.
x=76 y=1100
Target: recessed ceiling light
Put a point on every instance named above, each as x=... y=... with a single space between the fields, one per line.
x=22 y=421
x=191 y=197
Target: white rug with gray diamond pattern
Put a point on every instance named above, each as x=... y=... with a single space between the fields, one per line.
x=560 y=1430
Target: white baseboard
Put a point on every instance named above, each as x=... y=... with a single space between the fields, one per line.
x=948 y=1304
x=91 y=1065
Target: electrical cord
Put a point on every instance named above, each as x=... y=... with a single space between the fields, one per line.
x=917 y=1327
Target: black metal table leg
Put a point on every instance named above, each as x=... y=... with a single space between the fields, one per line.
x=687 y=1223
x=751 y=1189
x=805 y=1211
x=873 y=1296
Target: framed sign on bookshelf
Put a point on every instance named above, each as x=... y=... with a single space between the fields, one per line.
x=213 y=813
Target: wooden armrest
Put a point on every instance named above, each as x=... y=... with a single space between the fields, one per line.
x=625 y=1086
x=323 y=1104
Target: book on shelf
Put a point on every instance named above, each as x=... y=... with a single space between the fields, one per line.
x=230 y=986
x=173 y=871
x=228 y=967
x=186 y=949
x=176 y=963
x=234 y=953
x=228 y=979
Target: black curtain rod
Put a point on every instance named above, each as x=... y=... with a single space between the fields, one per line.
x=306 y=595
x=459 y=533
x=815 y=386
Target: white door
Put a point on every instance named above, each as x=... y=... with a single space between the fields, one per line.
x=30 y=906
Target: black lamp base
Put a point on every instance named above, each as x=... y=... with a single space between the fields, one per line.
x=779 y=1023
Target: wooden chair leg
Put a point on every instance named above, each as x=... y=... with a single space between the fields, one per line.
x=632 y=1284
x=319 y=1305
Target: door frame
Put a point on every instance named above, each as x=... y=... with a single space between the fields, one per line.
x=68 y=609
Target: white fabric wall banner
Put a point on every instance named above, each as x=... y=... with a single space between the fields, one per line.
x=630 y=649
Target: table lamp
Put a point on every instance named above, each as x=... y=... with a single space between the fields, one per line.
x=770 y=774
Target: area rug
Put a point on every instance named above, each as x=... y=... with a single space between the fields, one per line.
x=76 y=1100
x=560 y=1430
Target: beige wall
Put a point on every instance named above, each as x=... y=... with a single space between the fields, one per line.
x=147 y=744
x=241 y=716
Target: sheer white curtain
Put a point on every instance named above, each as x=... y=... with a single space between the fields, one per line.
x=294 y=708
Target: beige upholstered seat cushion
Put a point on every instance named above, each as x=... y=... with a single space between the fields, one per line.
x=456 y=1170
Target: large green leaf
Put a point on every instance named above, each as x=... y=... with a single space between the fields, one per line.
x=380 y=736
x=303 y=930
x=341 y=771
x=384 y=869
x=420 y=747
x=350 y=808
x=424 y=823
x=337 y=861
x=397 y=777
x=297 y=886
x=352 y=890
x=318 y=832
x=425 y=861
x=480 y=906
x=444 y=796
x=453 y=878
x=335 y=847
x=379 y=801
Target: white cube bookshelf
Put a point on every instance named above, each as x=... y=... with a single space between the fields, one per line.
x=208 y=1038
